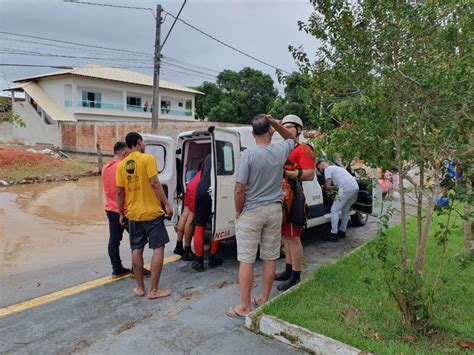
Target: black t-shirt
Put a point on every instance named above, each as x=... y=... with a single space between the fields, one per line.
x=205 y=181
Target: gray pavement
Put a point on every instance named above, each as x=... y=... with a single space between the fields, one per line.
x=109 y=319
x=27 y=285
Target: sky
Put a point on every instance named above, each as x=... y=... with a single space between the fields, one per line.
x=262 y=28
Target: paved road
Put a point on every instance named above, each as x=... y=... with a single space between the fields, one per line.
x=109 y=319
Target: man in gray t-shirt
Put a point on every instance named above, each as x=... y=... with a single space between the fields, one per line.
x=261 y=171
x=258 y=197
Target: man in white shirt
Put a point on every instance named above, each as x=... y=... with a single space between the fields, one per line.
x=346 y=197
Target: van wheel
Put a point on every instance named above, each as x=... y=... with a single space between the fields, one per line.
x=359 y=219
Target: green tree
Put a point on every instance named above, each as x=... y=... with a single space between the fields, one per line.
x=7 y=114
x=211 y=98
x=295 y=99
x=392 y=84
x=237 y=96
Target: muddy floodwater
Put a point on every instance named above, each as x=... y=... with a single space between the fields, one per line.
x=51 y=224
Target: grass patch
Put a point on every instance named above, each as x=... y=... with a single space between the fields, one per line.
x=18 y=164
x=349 y=301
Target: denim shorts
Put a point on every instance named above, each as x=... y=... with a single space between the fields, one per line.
x=152 y=232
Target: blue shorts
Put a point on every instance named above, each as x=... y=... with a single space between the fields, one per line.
x=152 y=232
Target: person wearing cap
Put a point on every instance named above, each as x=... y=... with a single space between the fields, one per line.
x=299 y=167
x=348 y=190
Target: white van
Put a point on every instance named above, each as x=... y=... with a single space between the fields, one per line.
x=179 y=159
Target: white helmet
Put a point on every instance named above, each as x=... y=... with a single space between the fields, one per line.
x=292 y=119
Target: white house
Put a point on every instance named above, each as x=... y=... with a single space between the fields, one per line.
x=97 y=95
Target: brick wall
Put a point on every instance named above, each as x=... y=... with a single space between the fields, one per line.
x=68 y=136
x=82 y=136
x=106 y=137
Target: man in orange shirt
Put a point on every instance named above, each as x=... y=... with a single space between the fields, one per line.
x=115 y=228
x=300 y=167
x=137 y=180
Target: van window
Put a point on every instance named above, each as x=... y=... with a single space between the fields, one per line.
x=225 y=158
x=159 y=152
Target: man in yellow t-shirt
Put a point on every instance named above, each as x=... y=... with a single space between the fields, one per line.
x=137 y=179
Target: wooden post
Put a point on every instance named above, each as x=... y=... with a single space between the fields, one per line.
x=100 y=161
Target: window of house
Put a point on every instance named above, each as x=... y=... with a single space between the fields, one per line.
x=134 y=101
x=91 y=99
x=225 y=158
x=38 y=109
x=33 y=103
x=189 y=105
x=165 y=106
x=47 y=119
x=180 y=104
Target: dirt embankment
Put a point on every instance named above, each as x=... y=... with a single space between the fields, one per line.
x=20 y=166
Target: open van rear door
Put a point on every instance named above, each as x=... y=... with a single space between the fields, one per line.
x=164 y=150
x=225 y=158
x=370 y=196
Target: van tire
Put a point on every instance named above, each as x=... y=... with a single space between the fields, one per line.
x=359 y=219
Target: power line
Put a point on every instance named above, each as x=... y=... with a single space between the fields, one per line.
x=190 y=64
x=39 y=54
x=107 y=50
x=94 y=46
x=98 y=51
x=35 y=66
x=110 y=5
x=75 y=43
x=174 y=23
x=176 y=17
x=225 y=44
x=189 y=69
x=126 y=60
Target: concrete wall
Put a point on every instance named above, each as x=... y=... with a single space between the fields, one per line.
x=55 y=88
x=36 y=130
x=6 y=132
x=82 y=136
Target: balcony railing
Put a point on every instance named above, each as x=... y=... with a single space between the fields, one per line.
x=100 y=105
x=165 y=111
x=119 y=107
x=135 y=108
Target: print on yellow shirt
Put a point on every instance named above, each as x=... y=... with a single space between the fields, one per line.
x=133 y=174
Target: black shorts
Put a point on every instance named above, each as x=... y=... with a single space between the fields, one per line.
x=152 y=232
x=203 y=209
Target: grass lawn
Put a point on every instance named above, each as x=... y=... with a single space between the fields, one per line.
x=349 y=301
x=17 y=164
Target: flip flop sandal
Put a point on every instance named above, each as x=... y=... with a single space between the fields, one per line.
x=231 y=312
x=255 y=303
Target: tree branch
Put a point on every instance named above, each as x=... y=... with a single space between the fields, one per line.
x=409 y=78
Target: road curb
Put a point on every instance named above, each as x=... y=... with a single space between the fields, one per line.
x=296 y=336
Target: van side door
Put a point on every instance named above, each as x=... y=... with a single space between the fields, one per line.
x=164 y=150
x=225 y=158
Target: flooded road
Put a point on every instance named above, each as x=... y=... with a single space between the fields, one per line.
x=53 y=224
x=50 y=224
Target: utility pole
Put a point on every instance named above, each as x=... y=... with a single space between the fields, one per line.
x=156 y=106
